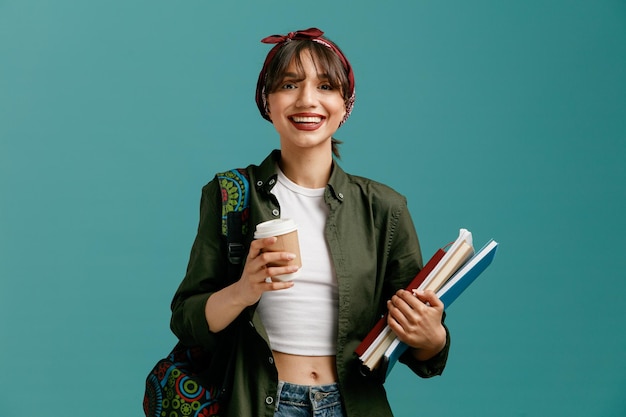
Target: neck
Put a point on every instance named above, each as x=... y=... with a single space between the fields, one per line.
x=309 y=170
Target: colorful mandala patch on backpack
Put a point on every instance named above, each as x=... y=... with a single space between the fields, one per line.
x=172 y=390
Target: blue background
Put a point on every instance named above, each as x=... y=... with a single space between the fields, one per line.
x=504 y=117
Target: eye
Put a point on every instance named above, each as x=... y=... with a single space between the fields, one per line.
x=287 y=86
x=326 y=87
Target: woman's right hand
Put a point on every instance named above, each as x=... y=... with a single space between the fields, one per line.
x=260 y=265
x=224 y=306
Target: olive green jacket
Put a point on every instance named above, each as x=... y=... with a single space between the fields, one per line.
x=375 y=252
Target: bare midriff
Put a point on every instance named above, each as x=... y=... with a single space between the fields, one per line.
x=306 y=370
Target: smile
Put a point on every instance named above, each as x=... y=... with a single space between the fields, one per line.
x=306 y=119
x=306 y=122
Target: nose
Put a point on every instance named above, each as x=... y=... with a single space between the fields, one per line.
x=306 y=95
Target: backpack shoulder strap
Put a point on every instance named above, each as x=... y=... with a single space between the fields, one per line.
x=234 y=186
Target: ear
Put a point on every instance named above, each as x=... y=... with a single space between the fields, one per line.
x=267 y=109
x=343 y=116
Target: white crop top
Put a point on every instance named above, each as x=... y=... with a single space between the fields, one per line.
x=302 y=320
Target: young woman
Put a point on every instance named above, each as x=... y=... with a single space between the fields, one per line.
x=295 y=349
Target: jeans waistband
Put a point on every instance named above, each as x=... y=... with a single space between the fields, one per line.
x=317 y=396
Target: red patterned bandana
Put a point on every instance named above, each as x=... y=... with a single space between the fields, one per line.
x=314 y=35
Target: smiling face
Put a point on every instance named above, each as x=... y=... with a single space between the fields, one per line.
x=305 y=108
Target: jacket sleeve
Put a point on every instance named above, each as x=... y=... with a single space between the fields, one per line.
x=404 y=262
x=206 y=274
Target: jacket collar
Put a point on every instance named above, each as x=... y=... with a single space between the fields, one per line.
x=266 y=177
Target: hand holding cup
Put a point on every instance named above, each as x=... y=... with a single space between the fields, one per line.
x=286 y=233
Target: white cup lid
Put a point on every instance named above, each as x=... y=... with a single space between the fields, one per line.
x=275 y=227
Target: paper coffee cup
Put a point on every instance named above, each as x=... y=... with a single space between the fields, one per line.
x=286 y=232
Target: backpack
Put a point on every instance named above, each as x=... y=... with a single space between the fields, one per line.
x=176 y=386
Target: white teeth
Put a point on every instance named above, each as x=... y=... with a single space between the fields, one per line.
x=306 y=119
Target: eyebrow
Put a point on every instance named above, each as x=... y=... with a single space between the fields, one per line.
x=300 y=77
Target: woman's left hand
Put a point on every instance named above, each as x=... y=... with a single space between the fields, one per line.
x=416 y=320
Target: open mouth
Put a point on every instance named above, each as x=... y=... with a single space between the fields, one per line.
x=306 y=119
x=306 y=122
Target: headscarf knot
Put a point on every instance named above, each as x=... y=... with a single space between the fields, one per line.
x=312 y=33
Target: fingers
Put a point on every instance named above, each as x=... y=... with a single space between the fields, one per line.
x=428 y=297
x=408 y=309
x=406 y=302
x=259 y=249
x=257 y=246
x=271 y=264
x=262 y=263
x=277 y=285
x=277 y=273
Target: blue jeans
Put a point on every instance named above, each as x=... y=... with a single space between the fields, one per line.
x=308 y=401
